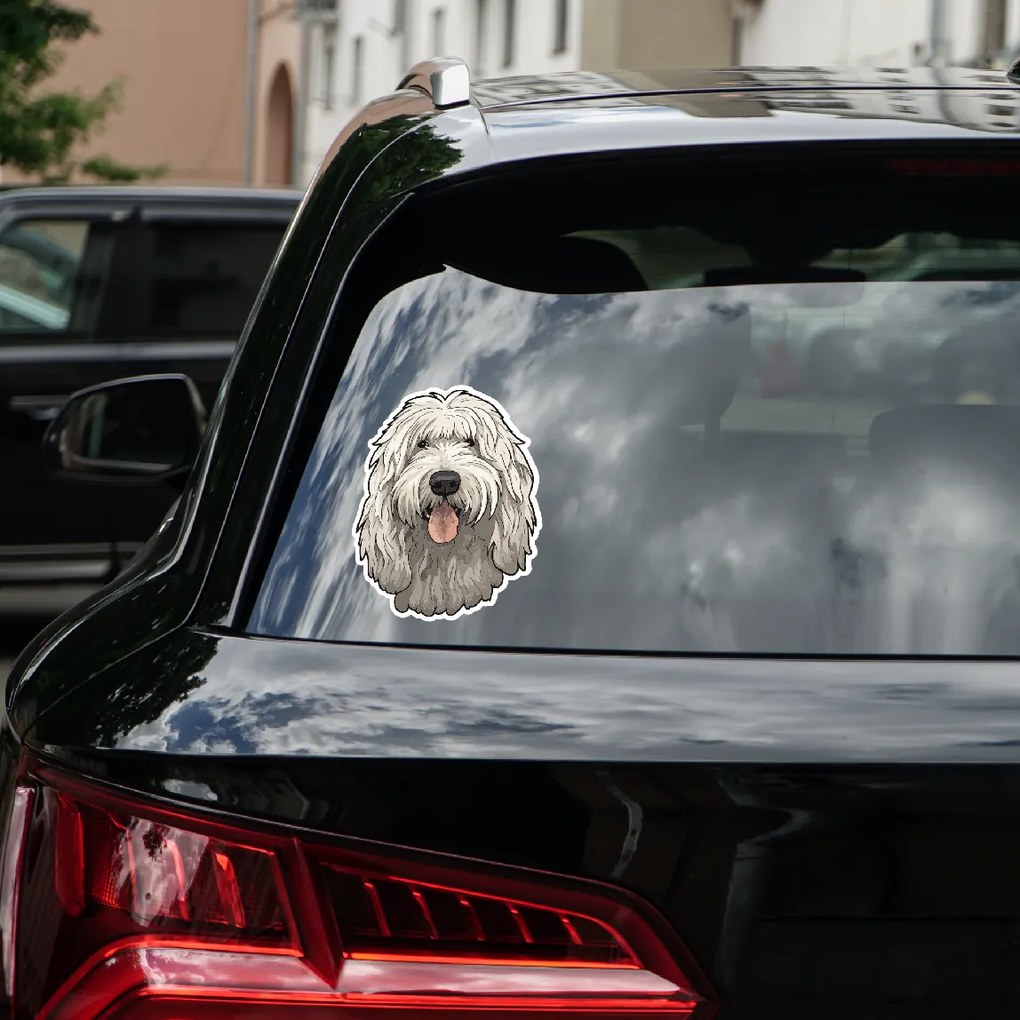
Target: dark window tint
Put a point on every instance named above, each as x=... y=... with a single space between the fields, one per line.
x=777 y=419
x=206 y=276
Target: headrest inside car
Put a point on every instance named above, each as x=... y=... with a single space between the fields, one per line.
x=974 y=434
x=735 y=276
x=559 y=265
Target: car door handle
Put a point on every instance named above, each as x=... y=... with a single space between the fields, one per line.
x=38 y=408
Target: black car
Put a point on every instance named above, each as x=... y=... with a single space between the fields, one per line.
x=97 y=283
x=535 y=633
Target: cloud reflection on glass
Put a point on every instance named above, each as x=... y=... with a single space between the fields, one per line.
x=300 y=697
x=781 y=534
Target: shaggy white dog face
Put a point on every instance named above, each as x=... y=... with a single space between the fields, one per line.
x=449 y=514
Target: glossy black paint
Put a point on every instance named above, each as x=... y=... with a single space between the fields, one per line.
x=830 y=838
x=789 y=827
x=196 y=692
x=40 y=541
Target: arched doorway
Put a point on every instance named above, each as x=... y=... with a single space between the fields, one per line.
x=280 y=130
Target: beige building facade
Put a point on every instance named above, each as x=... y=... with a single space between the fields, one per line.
x=232 y=92
x=208 y=87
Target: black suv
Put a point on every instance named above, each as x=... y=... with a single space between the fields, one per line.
x=595 y=591
x=98 y=283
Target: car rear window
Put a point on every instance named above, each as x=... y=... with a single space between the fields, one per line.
x=748 y=413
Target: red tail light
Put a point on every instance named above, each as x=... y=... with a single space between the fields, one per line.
x=131 y=909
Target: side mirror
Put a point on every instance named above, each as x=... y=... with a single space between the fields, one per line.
x=136 y=431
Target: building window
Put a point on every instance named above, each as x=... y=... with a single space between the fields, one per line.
x=328 y=66
x=399 y=17
x=995 y=27
x=357 y=69
x=509 y=30
x=560 y=28
x=438 y=32
x=481 y=35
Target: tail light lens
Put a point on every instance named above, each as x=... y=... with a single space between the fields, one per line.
x=131 y=909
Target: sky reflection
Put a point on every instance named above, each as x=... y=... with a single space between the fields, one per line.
x=785 y=535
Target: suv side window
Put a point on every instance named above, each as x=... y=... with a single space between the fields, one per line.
x=53 y=274
x=206 y=276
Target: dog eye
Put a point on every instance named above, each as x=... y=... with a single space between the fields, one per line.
x=423 y=444
x=470 y=441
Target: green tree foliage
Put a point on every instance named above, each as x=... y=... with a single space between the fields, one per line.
x=39 y=129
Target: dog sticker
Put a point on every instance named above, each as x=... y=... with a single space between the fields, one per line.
x=449 y=516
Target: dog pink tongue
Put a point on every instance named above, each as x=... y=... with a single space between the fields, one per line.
x=443 y=524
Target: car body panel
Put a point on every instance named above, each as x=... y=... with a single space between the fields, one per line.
x=818 y=834
x=737 y=116
x=735 y=120
x=200 y=693
x=629 y=84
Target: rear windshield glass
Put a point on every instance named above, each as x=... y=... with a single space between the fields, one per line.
x=756 y=416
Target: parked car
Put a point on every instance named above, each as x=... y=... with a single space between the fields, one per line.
x=507 y=652
x=96 y=283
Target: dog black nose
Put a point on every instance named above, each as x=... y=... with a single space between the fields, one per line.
x=444 y=483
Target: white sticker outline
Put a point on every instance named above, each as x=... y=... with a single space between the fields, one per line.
x=522 y=443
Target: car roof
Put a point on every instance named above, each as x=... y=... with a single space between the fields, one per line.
x=584 y=112
x=628 y=85
x=474 y=126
